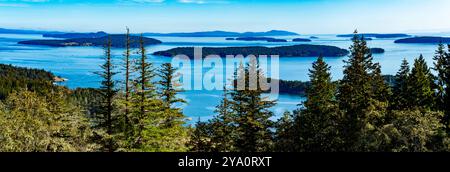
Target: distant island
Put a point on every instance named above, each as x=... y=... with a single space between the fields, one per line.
x=301 y=40
x=424 y=40
x=377 y=35
x=304 y=50
x=377 y=50
x=225 y=34
x=118 y=41
x=314 y=37
x=21 y=31
x=259 y=39
x=75 y=35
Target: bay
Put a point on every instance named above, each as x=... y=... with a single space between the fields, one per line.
x=78 y=64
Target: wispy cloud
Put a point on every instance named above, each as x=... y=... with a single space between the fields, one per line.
x=142 y=1
x=203 y=1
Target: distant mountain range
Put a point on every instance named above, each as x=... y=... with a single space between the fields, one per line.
x=20 y=31
x=68 y=35
x=377 y=35
x=225 y=34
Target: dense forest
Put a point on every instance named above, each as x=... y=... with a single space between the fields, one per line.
x=305 y=50
x=359 y=113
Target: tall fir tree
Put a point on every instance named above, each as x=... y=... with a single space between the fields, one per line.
x=401 y=88
x=442 y=67
x=144 y=105
x=254 y=127
x=223 y=126
x=421 y=83
x=318 y=121
x=169 y=88
x=355 y=92
x=127 y=88
x=381 y=89
x=105 y=120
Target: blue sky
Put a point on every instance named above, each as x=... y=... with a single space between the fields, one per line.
x=302 y=16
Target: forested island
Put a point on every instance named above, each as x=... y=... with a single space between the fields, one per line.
x=304 y=50
x=424 y=40
x=377 y=35
x=76 y=35
x=118 y=41
x=377 y=50
x=302 y=40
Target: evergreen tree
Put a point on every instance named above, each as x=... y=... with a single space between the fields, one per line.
x=355 y=93
x=105 y=120
x=285 y=138
x=144 y=105
x=318 y=121
x=442 y=67
x=421 y=83
x=223 y=126
x=401 y=88
x=201 y=138
x=253 y=125
x=169 y=89
x=127 y=88
x=381 y=90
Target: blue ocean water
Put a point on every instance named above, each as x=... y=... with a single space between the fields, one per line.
x=78 y=64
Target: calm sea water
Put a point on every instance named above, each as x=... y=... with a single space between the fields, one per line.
x=78 y=64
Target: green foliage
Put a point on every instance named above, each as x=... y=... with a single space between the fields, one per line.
x=32 y=123
x=421 y=83
x=317 y=123
x=401 y=88
x=105 y=121
x=15 y=78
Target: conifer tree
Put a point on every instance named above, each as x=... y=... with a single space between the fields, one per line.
x=169 y=88
x=381 y=90
x=355 y=92
x=253 y=125
x=145 y=106
x=421 y=83
x=442 y=67
x=285 y=138
x=401 y=88
x=223 y=126
x=105 y=121
x=200 y=140
x=127 y=89
x=318 y=121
